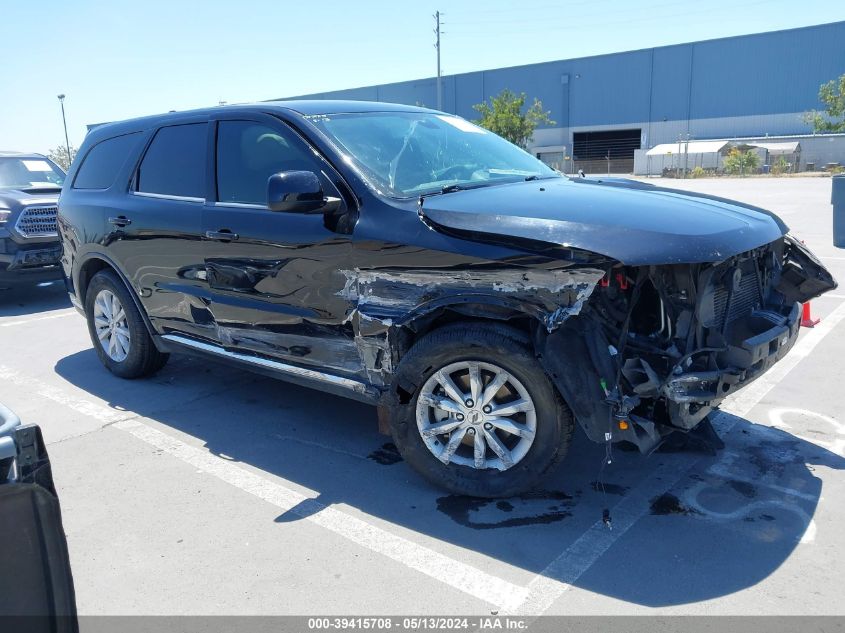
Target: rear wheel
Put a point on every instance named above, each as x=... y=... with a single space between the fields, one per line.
x=483 y=419
x=118 y=331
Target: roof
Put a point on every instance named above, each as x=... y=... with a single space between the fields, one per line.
x=335 y=106
x=301 y=107
x=778 y=148
x=691 y=147
x=712 y=147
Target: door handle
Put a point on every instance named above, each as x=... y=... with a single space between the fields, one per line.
x=120 y=220
x=224 y=235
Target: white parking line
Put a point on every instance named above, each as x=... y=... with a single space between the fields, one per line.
x=456 y=574
x=43 y=318
x=100 y=412
x=565 y=570
x=442 y=568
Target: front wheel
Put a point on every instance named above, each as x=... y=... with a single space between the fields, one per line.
x=483 y=419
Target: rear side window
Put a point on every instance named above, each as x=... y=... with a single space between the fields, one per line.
x=174 y=164
x=101 y=164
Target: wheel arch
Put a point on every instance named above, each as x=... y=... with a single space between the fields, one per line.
x=517 y=316
x=515 y=319
x=97 y=262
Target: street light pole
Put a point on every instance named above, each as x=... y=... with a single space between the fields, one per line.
x=64 y=122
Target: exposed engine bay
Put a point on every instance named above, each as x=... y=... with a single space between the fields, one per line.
x=668 y=343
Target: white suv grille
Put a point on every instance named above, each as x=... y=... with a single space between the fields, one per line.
x=37 y=221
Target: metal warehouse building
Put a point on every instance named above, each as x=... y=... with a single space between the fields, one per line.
x=607 y=107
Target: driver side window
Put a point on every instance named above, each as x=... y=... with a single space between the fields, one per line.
x=248 y=153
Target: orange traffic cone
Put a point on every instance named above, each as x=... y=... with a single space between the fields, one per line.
x=806 y=319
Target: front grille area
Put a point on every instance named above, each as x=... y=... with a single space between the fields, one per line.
x=38 y=221
x=722 y=307
x=745 y=299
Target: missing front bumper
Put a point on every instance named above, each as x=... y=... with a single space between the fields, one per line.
x=765 y=337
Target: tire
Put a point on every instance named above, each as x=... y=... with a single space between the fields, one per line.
x=453 y=350
x=134 y=354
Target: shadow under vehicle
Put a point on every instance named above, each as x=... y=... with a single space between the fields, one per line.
x=409 y=259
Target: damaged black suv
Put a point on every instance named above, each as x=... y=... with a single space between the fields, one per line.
x=412 y=260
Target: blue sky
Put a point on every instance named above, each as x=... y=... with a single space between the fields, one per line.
x=118 y=59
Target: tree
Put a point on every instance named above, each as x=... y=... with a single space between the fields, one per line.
x=59 y=156
x=832 y=119
x=506 y=116
x=739 y=162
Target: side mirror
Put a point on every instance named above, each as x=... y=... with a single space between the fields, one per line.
x=298 y=192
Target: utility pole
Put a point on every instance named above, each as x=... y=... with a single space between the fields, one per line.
x=61 y=98
x=437 y=46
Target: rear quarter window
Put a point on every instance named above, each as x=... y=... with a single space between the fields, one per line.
x=102 y=162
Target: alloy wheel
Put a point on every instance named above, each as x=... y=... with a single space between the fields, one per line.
x=476 y=414
x=111 y=326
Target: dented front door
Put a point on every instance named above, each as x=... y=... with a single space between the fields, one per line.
x=274 y=278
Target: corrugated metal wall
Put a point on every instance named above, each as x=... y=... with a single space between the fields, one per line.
x=739 y=86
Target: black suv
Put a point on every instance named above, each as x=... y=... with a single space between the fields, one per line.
x=29 y=243
x=407 y=258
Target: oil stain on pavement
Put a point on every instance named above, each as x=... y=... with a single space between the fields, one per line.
x=531 y=508
x=670 y=504
x=387 y=455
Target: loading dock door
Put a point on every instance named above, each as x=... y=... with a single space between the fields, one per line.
x=606 y=151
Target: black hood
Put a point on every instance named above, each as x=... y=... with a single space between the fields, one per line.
x=634 y=223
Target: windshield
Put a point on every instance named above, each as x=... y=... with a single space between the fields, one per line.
x=406 y=154
x=29 y=173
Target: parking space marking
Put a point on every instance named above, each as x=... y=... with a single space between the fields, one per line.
x=102 y=413
x=440 y=567
x=691 y=500
x=722 y=468
x=33 y=320
x=574 y=561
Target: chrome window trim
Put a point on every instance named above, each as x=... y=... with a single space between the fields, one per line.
x=166 y=196
x=241 y=205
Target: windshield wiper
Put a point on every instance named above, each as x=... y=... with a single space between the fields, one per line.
x=489 y=183
x=450 y=189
